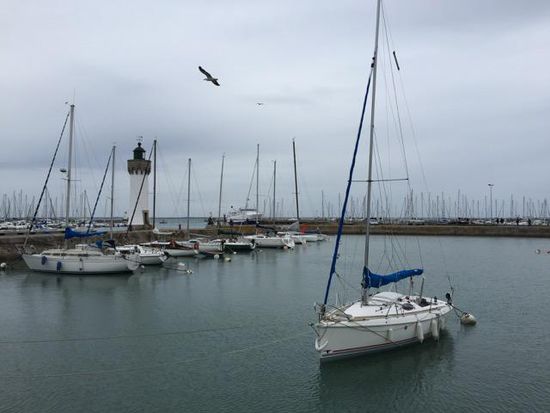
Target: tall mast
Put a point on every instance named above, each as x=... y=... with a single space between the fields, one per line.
x=323 y=205
x=364 y=295
x=188 y=195
x=112 y=190
x=257 y=181
x=274 y=185
x=154 y=182
x=220 y=197
x=69 y=166
x=295 y=180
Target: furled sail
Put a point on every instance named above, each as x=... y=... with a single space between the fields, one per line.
x=69 y=233
x=372 y=280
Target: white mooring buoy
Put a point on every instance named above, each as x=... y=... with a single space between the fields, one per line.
x=468 y=319
x=3 y=266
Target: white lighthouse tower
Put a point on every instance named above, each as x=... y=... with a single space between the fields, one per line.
x=139 y=169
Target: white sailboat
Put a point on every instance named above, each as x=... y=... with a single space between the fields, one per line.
x=383 y=320
x=270 y=239
x=83 y=259
x=174 y=248
x=145 y=255
x=266 y=241
x=294 y=229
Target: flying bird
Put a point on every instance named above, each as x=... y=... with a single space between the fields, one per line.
x=260 y=103
x=209 y=77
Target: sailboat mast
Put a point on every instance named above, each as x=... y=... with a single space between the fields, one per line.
x=274 y=185
x=295 y=180
x=154 y=182
x=69 y=166
x=257 y=181
x=220 y=197
x=112 y=190
x=188 y=195
x=364 y=295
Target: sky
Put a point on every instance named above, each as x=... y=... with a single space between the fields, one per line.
x=473 y=94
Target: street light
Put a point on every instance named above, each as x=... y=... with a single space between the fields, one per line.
x=491 y=200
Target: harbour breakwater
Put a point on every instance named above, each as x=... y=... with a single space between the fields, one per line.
x=9 y=243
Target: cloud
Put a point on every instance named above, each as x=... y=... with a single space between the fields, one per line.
x=473 y=73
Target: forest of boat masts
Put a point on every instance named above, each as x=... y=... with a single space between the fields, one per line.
x=17 y=208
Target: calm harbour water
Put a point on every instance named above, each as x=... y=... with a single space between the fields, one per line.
x=234 y=336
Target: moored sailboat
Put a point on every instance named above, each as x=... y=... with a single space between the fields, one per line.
x=82 y=259
x=382 y=320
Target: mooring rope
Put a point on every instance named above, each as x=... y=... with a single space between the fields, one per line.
x=155 y=365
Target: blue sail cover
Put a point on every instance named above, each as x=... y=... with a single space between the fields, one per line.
x=69 y=233
x=372 y=280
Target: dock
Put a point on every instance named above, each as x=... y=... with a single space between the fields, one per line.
x=9 y=242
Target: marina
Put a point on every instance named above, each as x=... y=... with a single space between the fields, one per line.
x=174 y=341
x=375 y=238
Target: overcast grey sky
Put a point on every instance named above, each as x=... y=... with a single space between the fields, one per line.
x=475 y=75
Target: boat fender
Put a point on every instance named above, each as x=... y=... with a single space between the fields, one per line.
x=43 y=260
x=58 y=265
x=389 y=335
x=468 y=319
x=3 y=266
x=434 y=328
x=216 y=256
x=419 y=331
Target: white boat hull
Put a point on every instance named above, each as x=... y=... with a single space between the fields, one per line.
x=239 y=246
x=180 y=252
x=314 y=237
x=107 y=264
x=348 y=338
x=272 y=242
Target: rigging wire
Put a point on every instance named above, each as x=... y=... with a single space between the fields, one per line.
x=194 y=175
x=163 y=167
x=250 y=186
x=46 y=181
x=389 y=40
x=99 y=192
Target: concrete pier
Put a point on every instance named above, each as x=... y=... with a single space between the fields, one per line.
x=9 y=243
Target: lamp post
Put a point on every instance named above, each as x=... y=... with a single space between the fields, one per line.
x=491 y=201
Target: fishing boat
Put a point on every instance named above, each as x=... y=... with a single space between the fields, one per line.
x=82 y=259
x=377 y=320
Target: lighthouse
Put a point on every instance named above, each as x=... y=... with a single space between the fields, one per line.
x=139 y=169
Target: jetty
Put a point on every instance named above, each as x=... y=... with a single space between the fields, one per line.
x=41 y=241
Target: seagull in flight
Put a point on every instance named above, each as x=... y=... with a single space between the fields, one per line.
x=260 y=103
x=209 y=77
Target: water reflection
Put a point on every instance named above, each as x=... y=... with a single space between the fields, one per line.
x=398 y=375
